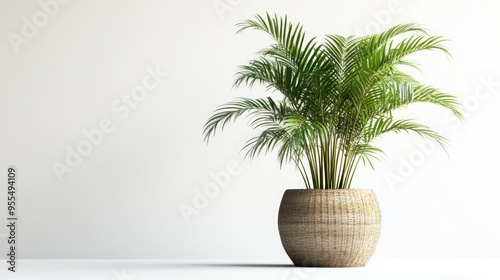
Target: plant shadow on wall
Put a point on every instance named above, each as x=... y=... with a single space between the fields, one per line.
x=332 y=98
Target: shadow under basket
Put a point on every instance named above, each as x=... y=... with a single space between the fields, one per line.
x=329 y=228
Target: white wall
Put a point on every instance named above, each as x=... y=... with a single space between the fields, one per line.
x=75 y=70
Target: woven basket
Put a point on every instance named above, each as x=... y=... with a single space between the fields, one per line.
x=329 y=228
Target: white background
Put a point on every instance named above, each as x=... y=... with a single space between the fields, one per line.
x=122 y=199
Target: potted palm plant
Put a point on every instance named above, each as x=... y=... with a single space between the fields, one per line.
x=331 y=99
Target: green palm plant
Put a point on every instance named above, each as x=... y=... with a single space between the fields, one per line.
x=335 y=97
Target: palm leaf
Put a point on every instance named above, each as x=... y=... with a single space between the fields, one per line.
x=333 y=98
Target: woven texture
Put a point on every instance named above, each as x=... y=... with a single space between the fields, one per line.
x=329 y=228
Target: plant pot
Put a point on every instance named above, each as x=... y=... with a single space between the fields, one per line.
x=329 y=228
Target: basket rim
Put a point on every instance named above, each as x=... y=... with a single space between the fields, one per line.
x=330 y=190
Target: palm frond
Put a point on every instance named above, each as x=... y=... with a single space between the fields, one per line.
x=334 y=98
x=382 y=125
x=230 y=111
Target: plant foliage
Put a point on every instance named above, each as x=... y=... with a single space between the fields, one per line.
x=335 y=97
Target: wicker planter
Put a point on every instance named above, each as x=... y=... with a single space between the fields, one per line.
x=329 y=228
